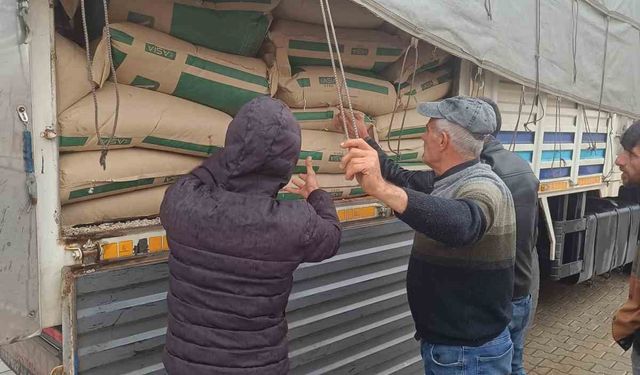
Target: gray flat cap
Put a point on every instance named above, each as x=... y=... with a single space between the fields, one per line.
x=473 y=114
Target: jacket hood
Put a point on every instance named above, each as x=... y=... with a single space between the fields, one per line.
x=261 y=150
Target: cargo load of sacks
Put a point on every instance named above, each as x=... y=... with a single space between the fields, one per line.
x=156 y=61
x=236 y=27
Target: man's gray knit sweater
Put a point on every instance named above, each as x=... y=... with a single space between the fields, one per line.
x=460 y=277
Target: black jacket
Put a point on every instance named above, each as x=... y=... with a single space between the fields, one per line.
x=234 y=248
x=523 y=184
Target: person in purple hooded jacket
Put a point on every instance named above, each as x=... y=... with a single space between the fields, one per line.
x=234 y=247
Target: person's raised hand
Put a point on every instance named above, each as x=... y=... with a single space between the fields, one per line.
x=361 y=162
x=305 y=184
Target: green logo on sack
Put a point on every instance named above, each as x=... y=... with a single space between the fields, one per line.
x=335 y=158
x=359 y=51
x=163 y=52
x=115 y=141
x=327 y=80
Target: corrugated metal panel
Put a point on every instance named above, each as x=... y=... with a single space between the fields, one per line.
x=348 y=314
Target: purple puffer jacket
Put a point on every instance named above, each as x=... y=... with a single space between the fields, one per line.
x=234 y=248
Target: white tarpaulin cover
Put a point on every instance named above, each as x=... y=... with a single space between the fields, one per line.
x=501 y=36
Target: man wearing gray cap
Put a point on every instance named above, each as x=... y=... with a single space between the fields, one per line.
x=461 y=269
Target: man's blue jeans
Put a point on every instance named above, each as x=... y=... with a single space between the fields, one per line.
x=518 y=331
x=492 y=358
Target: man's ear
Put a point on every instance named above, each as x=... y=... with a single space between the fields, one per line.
x=445 y=139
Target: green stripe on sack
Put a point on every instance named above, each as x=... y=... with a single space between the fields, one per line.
x=72 y=141
x=121 y=36
x=313 y=46
x=218 y=29
x=367 y=86
x=213 y=94
x=315 y=155
x=301 y=169
x=313 y=116
x=357 y=191
x=308 y=61
x=170 y=143
x=226 y=71
x=403 y=157
x=304 y=82
x=118 y=57
x=110 y=187
x=381 y=51
x=288 y=197
x=410 y=131
x=145 y=83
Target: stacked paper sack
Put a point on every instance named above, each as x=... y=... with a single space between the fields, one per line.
x=180 y=85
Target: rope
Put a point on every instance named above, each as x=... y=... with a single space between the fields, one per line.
x=536 y=99
x=512 y=145
x=103 y=145
x=414 y=45
x=604 y=68
x=592 y=143
x=574 y=41
x=328 y=16
x=487 y=7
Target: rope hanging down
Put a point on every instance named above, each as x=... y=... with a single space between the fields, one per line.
x=326 y=15
x=414 y=45
x=104 y=143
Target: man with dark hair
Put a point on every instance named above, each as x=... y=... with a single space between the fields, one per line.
x=523 y=185
x=626 y=322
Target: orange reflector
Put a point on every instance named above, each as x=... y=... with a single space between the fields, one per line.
x=554 y=186
x=126 y=249
x=155 y=244
x=593 y=180
x=110 y=251
x=165 y=243
x=357 y=213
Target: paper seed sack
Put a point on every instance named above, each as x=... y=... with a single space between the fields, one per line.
x=313 y=86
x=156 y=61
x=302 y=44
x=82 y=178
x=146 y=119
x=133 y=205
x=237 y=27
x=72 y=82
x=321 y=118
x=414 y=125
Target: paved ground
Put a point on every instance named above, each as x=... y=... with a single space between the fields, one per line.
x=572 y=330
